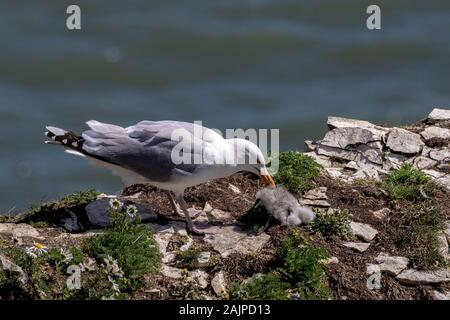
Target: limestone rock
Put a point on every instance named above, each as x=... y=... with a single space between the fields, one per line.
x=322 y=160
x=315 y=197
x=310 y=146
x=229 y=239
x=411 y=276
x=404 y=141
x=336 y=152
x=424 y=162
x=443 y=245
x=441 y=295
x=204 y=259
x=381 y=214
x=358 y=246
x=363 y=231
x=19 y=230
x=8 y=265
x=350 y=136
x=440 y=155
x=99 y=216
x=200 y=277
x=435 y=132
x=392 y=264
x=219 y=284
x=439 y=115
x=217 y=215
x=338 y=122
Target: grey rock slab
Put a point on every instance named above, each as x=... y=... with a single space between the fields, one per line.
x=411 y=276
x=351 y=136
x=6 y=264
x=441 y=295
x=392 y=264
x=358 y=246
x=439 y=115
x=381 y=214
x=363 y=231
x=404 y=141
x=336 y=152
x=229 y=239
x=99 y=215
x=424 y=162
x=219 y=284
x=435 y=132
x=338 y=122
x=440 y=155
x=19 y=230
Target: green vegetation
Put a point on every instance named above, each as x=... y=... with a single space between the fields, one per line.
x=188 y=259
x=129 y=243
x=332 y=224
x=420 y=236
x=266 y=287
x=41 y=214
x=301 y=273
x=123 y=254
x=297 y=172
x=406 y=183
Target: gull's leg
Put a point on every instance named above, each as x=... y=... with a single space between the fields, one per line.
x=193 y=213
x=173 y=204
x=190 y=224
x=263 y=228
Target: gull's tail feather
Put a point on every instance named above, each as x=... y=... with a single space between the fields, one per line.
x=67 y=139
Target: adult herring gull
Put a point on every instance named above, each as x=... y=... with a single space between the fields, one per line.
x=145 y=153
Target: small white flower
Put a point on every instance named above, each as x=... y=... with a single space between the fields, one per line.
x=68 y=256
x=36 y=250
x=112 y=267
x=115 y=286
x=88 y=264
x=115 y=204
x=132 y=211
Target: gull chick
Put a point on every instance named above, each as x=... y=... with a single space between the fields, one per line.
x=284 y=207
x=149 y=152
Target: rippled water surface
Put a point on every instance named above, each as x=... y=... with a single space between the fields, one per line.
x=235 y=63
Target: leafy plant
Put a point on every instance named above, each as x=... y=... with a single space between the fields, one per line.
x=188 y=258
x=332 y=224
x=297 y=172
x=131 y=244
x=302 y=266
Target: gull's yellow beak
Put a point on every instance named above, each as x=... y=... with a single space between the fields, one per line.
x=267 y=180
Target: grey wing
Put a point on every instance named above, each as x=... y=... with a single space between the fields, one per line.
x=145 y=148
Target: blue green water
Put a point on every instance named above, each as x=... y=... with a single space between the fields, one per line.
x=236 y=63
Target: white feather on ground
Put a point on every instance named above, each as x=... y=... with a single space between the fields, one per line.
x=284 y=207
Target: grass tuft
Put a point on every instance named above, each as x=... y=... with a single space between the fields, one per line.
x=328 y=225
x=300 y=274
x=420 y=236
x=407 y=183
x=297 y=172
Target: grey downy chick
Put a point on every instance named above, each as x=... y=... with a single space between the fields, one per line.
x=284 y=207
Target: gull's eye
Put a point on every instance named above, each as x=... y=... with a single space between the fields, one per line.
x=257 y=161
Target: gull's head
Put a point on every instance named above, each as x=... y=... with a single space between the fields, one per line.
x=250 y=158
